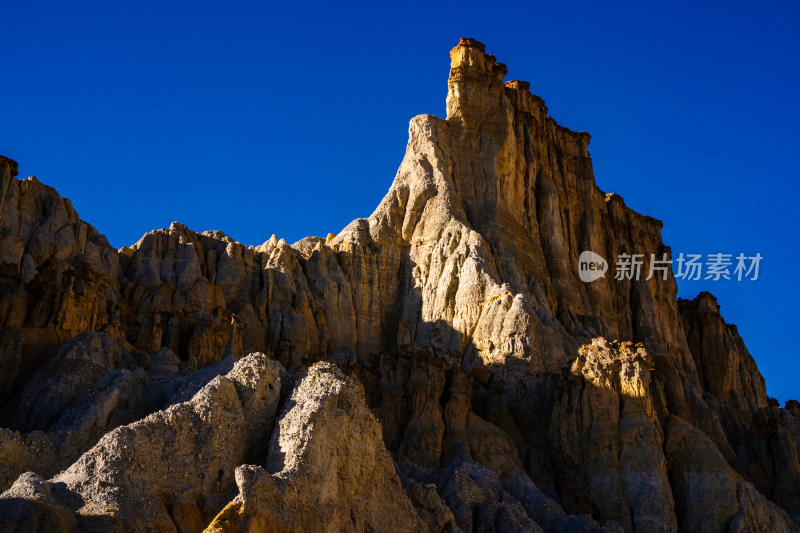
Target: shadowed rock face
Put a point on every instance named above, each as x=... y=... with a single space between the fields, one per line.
x=473 y=382
x=326 y=455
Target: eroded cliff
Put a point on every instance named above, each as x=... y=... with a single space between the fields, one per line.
x=472 y=380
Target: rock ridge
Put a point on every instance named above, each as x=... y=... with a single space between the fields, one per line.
x=436 y=366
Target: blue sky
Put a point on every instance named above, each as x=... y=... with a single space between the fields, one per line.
x=258 y=118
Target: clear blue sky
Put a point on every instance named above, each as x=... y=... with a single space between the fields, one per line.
x=292 y=119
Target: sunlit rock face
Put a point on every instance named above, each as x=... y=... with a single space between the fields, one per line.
x=437 y=366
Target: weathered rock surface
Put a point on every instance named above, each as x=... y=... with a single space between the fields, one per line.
x=709 y=495
x=510 y=394
x=622 y=476
x=329 y=468
x=90 y=407
x=59 y=383
x=33 y=504
x=122 y=397
x=174 y=469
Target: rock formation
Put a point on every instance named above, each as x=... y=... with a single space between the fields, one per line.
x=437 y=366
x=329 y=464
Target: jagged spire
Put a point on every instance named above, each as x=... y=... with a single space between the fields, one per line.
x=475 y=78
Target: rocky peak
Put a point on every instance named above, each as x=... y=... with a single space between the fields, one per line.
x=458 y=336
x=475 y=83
